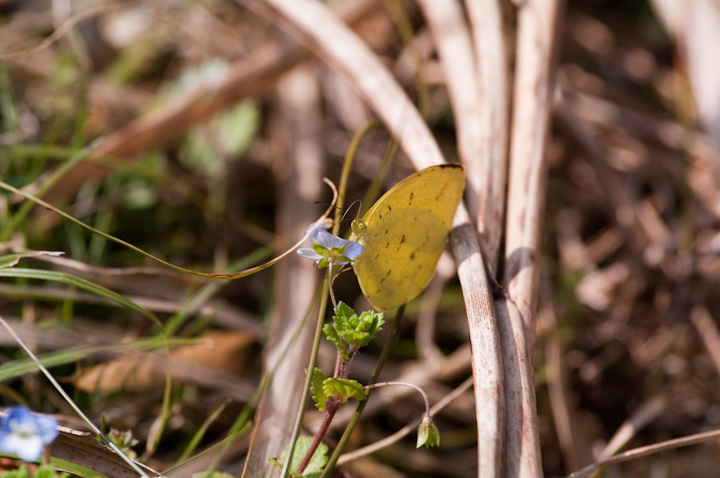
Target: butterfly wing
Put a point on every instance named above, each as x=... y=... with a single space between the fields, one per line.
x=405 y=234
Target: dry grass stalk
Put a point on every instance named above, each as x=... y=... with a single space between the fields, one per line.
x=452 y=38
x=492 y=82
x=297 y=280
x=538 y=23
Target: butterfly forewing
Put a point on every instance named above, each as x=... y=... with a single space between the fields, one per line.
x=405 y=235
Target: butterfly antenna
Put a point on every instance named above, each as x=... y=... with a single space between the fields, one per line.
x=357 y=203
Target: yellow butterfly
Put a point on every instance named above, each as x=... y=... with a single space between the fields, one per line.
x=404 y=233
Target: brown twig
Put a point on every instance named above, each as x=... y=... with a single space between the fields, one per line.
x=538 y=26
x=492 y=80
x=647 y=450
x=486 y=353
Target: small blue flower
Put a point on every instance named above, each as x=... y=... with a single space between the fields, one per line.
x=329 y=249
x=24 y=434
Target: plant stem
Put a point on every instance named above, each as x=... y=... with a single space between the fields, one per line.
x=361 y=406
x=308 y=379
x=330 y=288
x=330 y=409
x=405 y=384
x=342 y=370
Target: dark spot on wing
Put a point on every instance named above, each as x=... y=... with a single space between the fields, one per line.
x=402 y=239
x=389 y=207
x=412 y=196
x=412 y=255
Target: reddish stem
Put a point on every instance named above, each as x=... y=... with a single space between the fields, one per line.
x=330 y=409
x=342 y=370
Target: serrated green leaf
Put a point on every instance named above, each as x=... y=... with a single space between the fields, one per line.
x=316 y=464
x=343 y=311
x=371 y=321
x=318 y=392
x=332 y=335
x=344 y=389
x=357 y=331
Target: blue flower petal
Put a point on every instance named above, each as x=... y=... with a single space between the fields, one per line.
x=334 y=245
x=19 y=416
x=309 y=253
x=47 y=428
x=29 y=448
x=24 y=434
x=325 y=239
x=352 y=250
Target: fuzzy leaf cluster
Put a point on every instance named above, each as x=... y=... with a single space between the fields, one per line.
x=350 y=331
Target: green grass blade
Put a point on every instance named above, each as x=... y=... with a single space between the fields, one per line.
x=74 y=281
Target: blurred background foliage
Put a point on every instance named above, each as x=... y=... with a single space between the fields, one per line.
x=628 y=308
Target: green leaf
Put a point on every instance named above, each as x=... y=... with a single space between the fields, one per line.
x=428 y=433
x=357 y=331
x=318 y=460
x=68 y=279
x=45 y=472
x=344 y=389
x=316 y=464
x=75 y=469
x=237 y=127
x=343 y=311
x=332 y=335
x=21 y=472
x=316 y=387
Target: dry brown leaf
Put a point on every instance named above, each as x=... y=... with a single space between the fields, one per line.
x=142 y=371
x=81 y=448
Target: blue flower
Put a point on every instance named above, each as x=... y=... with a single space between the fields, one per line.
x=329 y=249
x=24 y=434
